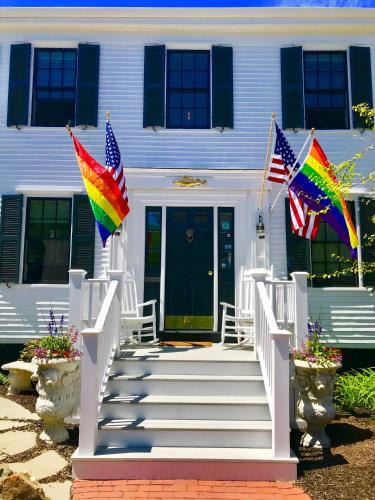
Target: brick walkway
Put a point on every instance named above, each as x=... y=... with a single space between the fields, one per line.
x=184 y=489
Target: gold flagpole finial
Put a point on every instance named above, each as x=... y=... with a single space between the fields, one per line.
x=69 y=130
x=312 y=131
x=107 y=115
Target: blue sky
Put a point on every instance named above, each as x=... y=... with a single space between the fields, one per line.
x=187 y=3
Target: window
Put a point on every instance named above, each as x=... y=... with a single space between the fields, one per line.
x=188 y=89
x=326 y=90
x=47 y=240
x=315 y=88
x=188 y=84
x=54 y=89
x=324 y=248
x=65 y=86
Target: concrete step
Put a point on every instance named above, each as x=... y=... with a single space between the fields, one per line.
x=143 y=433
x=188 y=385
x=185 y=407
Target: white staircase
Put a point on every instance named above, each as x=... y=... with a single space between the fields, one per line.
x=165 y=410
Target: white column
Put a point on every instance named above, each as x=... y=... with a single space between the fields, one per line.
x=76 y=279
x=301 y=307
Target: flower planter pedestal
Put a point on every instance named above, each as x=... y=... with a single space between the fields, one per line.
x=57 y=389
x=315 y=384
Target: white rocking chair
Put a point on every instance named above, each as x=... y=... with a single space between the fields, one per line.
x=136 y=326
x=239 y=323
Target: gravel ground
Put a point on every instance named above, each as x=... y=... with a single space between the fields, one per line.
x=65 y=449
x=347 y=470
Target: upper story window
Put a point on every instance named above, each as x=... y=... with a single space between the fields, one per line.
x=326 y=90
x=188 y=89
x=54 y=92
x=64 y=82
x=315 y=88
x=179 y=91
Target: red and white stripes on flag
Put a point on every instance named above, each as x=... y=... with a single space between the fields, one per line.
x=305 y=223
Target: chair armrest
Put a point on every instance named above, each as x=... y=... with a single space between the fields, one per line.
x=229 y=305
x=148 y=303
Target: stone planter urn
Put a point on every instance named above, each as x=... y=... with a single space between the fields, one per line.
x=315 y=384
x=57 y=388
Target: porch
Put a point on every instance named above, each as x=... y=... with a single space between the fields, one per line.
x=219 y=412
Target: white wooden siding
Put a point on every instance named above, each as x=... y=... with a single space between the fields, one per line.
x=348 y=316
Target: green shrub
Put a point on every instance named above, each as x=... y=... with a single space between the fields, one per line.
x=356 y=390
x=3 y=379
x=28 y=352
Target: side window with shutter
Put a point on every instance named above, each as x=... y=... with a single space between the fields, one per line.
x=10 y=237
x=83 y=235
x=367 y=212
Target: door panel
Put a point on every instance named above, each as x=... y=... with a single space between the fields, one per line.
x=189 y=269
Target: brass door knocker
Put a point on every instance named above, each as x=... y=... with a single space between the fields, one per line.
x=189 y=235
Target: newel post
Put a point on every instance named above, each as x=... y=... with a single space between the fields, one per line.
x=280 y=393
x=257 y=275
x=301 y=307
x=76 y=279
x=89 y=396
x=118 y=275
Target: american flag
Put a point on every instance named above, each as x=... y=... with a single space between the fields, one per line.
x=304 y=222
x=113 y=160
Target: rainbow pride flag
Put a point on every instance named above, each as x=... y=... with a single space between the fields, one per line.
x=317 y=185
x=107 y=202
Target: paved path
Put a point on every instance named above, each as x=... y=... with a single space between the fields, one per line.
x=13 y=440
x=181 y=489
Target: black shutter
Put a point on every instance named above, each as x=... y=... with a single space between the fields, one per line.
x=87 y=84
x=292 y=87
x=361 y=81
x=19 y=84
x=222 y=86
x=83 y=235
x=367 y=211
x=297 y=248
x=10 y=237
x=154 y=86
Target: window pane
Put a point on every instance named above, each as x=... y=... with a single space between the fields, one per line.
x=311 y=81
x=188 y=79
x=174 y=117
x=324 y=100
x=201 y=100
x=175 y=79
x=43 y=59
x=338 y=100
x=311 y=62
x=201 y=61
x=69 y=78
x=188 y=61
x=56 y=78
x=175 y=99
x=338 y=81
x=337 y=61
x=175 y=61
x=56 y=59
x=43 y=77
x=311 y=100
x=324 y=62
x=188 y=100
x=317 y=252
x=63 y=209
x=36 y=209
x=324 y=80
x=201 y=118
x=153 y=220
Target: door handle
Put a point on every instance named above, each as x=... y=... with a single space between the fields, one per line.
x=210 y=273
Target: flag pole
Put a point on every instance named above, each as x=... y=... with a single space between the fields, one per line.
x=290 y=177
x=270 y=137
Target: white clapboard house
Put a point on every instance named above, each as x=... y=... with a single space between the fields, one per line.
x=191 y=92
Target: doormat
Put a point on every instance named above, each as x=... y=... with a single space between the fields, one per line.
x=181 y=343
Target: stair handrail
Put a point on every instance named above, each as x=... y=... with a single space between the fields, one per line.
x=272 y=350
x=99 y=347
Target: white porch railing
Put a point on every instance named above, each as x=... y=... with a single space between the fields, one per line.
x=99 y=346
x=272 y=350
x=93 y=293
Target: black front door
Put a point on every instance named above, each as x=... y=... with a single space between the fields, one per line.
x=189 y=269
